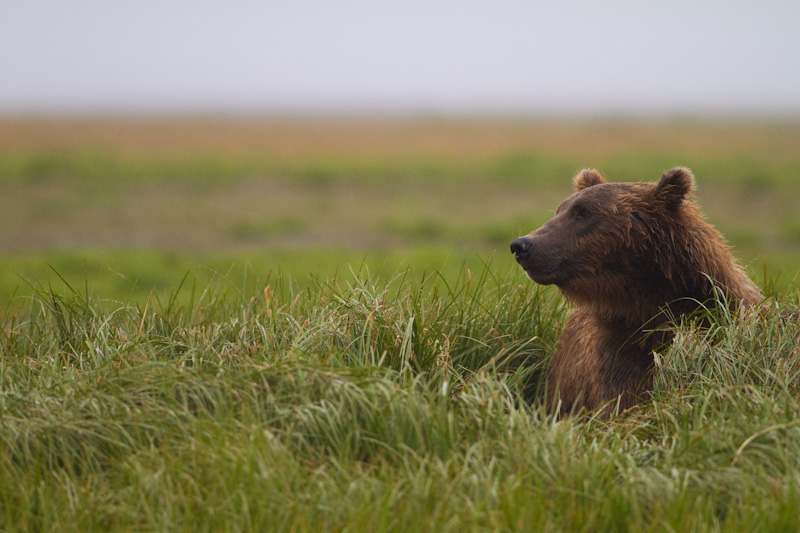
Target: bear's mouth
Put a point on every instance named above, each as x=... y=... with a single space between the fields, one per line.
x=541 y=274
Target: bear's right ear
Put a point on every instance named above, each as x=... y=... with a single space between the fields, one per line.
x=675 y=184
x=586 y=178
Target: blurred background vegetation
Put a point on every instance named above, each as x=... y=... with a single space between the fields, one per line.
x=125 y=207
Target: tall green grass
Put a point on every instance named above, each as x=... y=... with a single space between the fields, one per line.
x=377 y=402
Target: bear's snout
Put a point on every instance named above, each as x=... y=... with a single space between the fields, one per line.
x=540 y=262
x=520 y=247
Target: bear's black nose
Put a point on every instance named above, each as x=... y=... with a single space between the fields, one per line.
x=520 y=246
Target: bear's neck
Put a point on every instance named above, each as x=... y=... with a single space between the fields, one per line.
x=635 y=303
x=661 y=287
x=698 y=264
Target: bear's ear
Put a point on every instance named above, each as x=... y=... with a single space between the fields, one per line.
x=586 y=178
x=675 y=184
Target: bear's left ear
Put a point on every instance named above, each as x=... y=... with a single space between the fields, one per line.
x=586 y=178
x=675 y=184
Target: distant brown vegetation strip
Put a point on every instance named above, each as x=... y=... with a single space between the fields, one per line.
x=267 y=185
x=399 y=138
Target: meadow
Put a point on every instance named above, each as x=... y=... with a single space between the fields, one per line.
x=315 y=324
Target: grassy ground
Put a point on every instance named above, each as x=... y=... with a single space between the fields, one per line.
x=317 y=326
x=361 y=403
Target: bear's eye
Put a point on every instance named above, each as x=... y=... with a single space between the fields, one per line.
x=579 y=213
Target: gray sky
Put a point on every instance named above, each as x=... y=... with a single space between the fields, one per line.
x=686 y=56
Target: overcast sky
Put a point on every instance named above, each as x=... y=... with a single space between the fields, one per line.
x=685 y=56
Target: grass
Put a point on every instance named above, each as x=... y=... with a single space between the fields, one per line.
x=290 y=326
x=382 y=403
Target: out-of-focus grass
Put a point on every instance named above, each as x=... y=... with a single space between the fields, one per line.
x=147 y=199
x=126 y=276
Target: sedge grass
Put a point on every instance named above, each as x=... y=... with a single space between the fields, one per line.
x=365 y=402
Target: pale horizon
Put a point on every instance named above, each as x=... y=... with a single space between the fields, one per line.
x=421 y=58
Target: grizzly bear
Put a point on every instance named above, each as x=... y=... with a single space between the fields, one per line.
x=630 y=257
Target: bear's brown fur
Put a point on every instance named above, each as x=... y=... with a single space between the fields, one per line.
x=629 y=256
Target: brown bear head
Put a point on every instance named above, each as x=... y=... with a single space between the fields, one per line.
x=608 y=238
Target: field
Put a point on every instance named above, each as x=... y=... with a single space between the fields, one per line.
x=133 y=205
x=298 y=324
